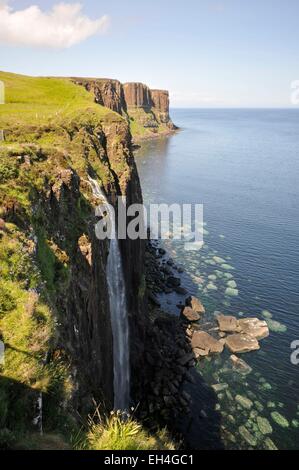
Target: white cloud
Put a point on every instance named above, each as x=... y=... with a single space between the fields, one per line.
x=61 y=27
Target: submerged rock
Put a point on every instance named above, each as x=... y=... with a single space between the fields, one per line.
x=264 y=425
x=232 y=284
x=240 y=365
x=219 y=387
x=259 y=406
x=279 y=419
x=247 y=436
x=276 y=326
x=240 y=343
x=269 y=444
x=266 y=314
x=231 y=292
x=244 y=402
x=227 y=267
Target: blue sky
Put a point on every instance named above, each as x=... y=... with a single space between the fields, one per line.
x=206 y=53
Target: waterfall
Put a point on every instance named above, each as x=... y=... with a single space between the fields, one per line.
x=118 y=312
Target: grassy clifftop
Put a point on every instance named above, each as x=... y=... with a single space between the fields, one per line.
x=41 y=101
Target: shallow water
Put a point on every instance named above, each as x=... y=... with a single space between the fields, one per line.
x=243 y=165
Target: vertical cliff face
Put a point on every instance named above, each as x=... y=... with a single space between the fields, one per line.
x=146 y=110
x=108 y=93
x=160 y=100
x=137 y=95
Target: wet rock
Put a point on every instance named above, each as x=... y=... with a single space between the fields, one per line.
x=253 y=327
x=264 y=425
x=195 y=304
x=240 y=343
x=244 y=402
x=240 y=365
x=206 y=342
x=181 y=290
x=173 y=281
x=185 y=359
x=190 y=314
x=227 y=323
x=153 y=299
x=198 y=353
x=279 y=419
x=247 y=436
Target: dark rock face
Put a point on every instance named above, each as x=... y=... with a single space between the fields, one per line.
x=137 y=95
x=108 y=93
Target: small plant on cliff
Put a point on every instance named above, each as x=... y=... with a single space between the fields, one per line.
x=119 y=432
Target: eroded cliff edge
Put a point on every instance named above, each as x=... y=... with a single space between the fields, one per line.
x=146 y=110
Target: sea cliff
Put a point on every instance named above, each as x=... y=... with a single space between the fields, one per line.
x=146 y=110
x=55 y=320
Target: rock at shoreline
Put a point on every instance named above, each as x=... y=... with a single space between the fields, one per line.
x=227 y=323
x=173 y=281
x=190 y=314
x=200 y=353
x=195 y=304
x=241 y=343
x=253 y=327
x=206 y=342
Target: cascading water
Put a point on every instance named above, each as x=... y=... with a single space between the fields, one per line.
x=118 y=311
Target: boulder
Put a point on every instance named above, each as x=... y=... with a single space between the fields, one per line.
x=253 y=327
x=195 y=304
x=173 y=281
x=227 y=323
x=206 y=342
x=190 y=314
x=241 y=343
x=200 y=353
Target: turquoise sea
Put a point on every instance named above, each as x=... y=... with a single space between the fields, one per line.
x=243 y=166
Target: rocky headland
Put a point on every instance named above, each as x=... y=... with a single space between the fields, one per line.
x=146 y=110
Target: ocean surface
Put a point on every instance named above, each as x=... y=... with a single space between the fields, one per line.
x=243 y=166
